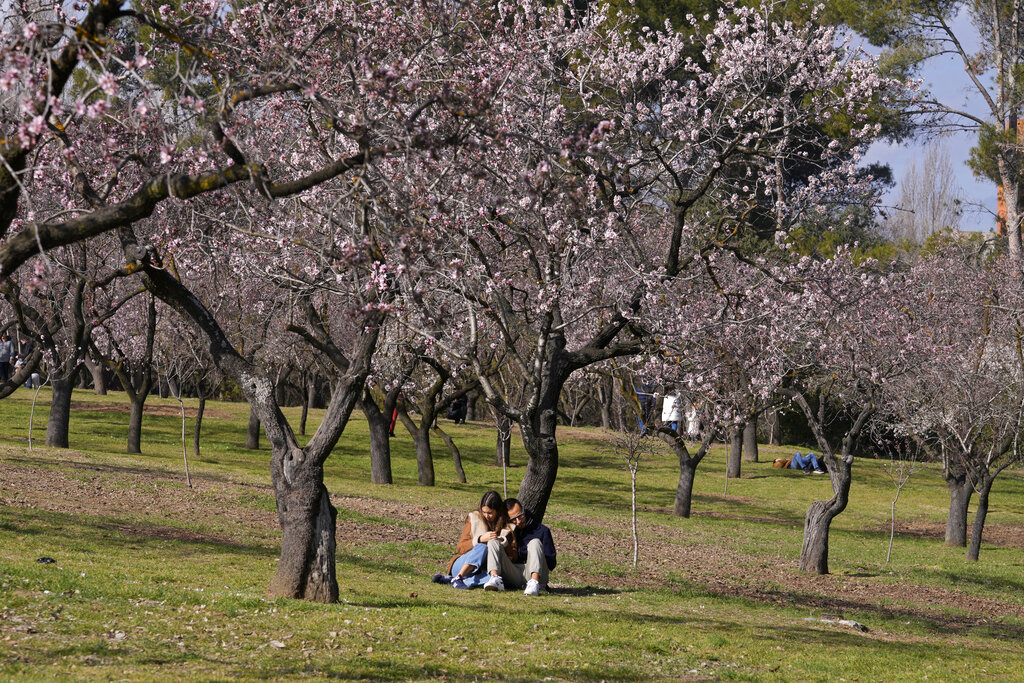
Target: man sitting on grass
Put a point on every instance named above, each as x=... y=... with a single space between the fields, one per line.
x=537 y=555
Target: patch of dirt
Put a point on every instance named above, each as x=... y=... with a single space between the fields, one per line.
x=107 y=491
x=149 y=408
x=1002 y=535
x=668 y=558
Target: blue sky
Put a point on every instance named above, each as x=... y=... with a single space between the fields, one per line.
x=946 y=78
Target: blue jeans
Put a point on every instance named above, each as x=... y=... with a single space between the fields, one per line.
x=476 y=556
x=805 y=462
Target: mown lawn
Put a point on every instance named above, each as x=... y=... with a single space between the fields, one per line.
x=155 y=581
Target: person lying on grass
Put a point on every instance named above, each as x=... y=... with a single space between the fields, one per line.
x=535 y=557
x=808 y=462
x=486 y=526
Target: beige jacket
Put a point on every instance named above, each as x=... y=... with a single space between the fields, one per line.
x=475 y=526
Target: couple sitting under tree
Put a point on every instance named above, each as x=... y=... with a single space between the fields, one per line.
x=500 y=543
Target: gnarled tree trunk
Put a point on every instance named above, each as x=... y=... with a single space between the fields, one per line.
x=306 y=568
x=979 y=519
x=960 y=491
x=252 y=431
x=814 y=552
x=380 y=442
x=60 y=412
x=684 y=489
x=424 y=458
x=542 y=466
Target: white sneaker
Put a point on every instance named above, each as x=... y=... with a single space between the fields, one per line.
x=494 y=584
x=532 y=587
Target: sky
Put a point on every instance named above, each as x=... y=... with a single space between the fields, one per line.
x=946 y=77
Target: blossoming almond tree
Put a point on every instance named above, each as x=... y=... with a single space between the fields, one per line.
x=963 y=404
x=549 y=243
x=844 y=333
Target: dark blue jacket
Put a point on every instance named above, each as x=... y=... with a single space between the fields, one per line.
x=533 y=530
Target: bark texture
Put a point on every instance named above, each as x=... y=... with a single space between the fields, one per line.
x=252 y=431
x=732 y=470
x=306 y=568
x=60 y=413
x=380 y=443
x=960 y=491
x=135 y=410
x=750 y=440
x=979 y=520
x=684 y=489
x=503 y=442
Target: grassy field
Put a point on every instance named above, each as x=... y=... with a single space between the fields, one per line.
x=156 y=581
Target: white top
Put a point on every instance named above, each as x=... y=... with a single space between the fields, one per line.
x=671 y=409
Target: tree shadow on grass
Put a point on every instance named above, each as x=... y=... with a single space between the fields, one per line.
x=152 y=474
x=941 y=624
x=98 y=530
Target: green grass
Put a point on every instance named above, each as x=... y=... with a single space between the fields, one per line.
x=154 y=581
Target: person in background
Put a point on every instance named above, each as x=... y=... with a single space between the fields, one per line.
x=672 y=412
x=6 y=357
x=808 y=462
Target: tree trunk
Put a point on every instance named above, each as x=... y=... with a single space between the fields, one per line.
x=456 y=455
x=472 y=397
x=60 y=413
x=252 y=432
x=732 y=470
x=960 y=491
x=380 y=443
x=774 y=427
x=199 y=425
x=542 y=466
x=424 y=457
x=814 y=553
x=307 y=401
x=172 y=386
x=99 y=379
x=164 y=389
x=1008 y=173
x=503 y=443
x=606 y=389
x=137 y=403
x=684 y=490
x=619 y=408
x=750 y=440
x=306 y=568
x=979 y=519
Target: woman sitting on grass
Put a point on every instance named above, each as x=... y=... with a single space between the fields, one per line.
x=467 y=569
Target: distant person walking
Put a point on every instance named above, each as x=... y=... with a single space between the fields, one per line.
x=6 y=356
